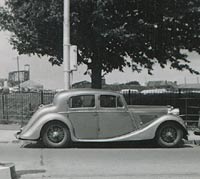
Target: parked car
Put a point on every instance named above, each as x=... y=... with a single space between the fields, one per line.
x=126 y=91
x=197 y=130
x=87 y=115
x=155 y=91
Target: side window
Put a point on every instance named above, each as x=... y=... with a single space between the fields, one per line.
x=82 y=101
x=119 y=102
x=108 y=101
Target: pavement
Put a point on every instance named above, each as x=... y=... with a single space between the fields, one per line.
x=7 y=134
x=193 y=139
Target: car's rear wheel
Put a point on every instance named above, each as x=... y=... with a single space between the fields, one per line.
x=56 y=135
x=169 y=135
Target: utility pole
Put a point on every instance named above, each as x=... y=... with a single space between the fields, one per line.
x=66 y=44
x=18 y=72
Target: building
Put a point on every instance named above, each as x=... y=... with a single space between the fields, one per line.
x=82 y=84
x=162 y=84
x=3 y=81
x=191 y=86
x=31 y=86
x=17 y=77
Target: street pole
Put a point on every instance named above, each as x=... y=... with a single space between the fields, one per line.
x=18 y=72
x=66 y=44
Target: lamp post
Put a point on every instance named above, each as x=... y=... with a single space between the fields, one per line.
x=18 y=73
x=66 y=44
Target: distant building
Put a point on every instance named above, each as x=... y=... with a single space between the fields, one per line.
x=162 y=84
x=15 y=77
x=135 y=83
x=31 y=86
x=194 y=86
x=2 y=82
x=87 y=84
x=82 y=84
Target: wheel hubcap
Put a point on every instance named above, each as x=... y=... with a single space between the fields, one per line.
x=169 y=134
x=55 y=134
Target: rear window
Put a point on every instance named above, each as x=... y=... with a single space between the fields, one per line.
x=110 y=101
x=82 y=101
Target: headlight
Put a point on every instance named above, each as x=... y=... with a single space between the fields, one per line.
x=40 y=106
x=174 y=111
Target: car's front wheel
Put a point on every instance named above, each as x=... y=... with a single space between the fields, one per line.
x=169 y=135
x=55 y=135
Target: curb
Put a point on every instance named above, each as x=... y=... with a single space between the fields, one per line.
x=194 y=142
x=8 y=141
x=7 y=171
x=8 y=136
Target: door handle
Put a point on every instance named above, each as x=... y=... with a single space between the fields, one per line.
x=95 y=114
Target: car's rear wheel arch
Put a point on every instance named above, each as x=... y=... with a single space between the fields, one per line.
x=52 y=121
x=56 y=123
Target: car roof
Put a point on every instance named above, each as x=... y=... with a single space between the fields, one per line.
x=87 y=90
x=81 y=91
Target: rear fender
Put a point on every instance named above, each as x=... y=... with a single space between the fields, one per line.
x=34 y=131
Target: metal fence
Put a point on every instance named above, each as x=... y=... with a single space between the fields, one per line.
x=21 y=106
x=188 y=101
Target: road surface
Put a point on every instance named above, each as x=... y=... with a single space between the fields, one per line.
x=86 y=162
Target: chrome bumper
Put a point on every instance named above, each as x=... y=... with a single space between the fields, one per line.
x=17 y=135
x=197 y=132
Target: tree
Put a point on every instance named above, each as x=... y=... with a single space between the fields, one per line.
x=110 y=34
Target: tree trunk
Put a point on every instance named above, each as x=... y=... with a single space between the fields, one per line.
x=96 y=76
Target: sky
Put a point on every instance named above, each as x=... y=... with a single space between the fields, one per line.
x=52 y=76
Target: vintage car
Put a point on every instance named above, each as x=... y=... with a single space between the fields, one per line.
x=88 y=115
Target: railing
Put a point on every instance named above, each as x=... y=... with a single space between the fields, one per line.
x=21 y=106
x=188 y=101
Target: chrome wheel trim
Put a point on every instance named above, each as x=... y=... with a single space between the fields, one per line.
x=169 y=134
x=55 y=134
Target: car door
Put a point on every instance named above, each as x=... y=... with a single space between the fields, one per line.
x=114 y=119
x=83 y=116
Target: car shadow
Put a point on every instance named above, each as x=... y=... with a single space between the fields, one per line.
x=109 y=145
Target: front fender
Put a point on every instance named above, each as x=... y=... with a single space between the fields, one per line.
x=33 y=132
x=149 y=131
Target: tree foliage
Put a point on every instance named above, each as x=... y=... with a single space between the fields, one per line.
x=110 y=34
